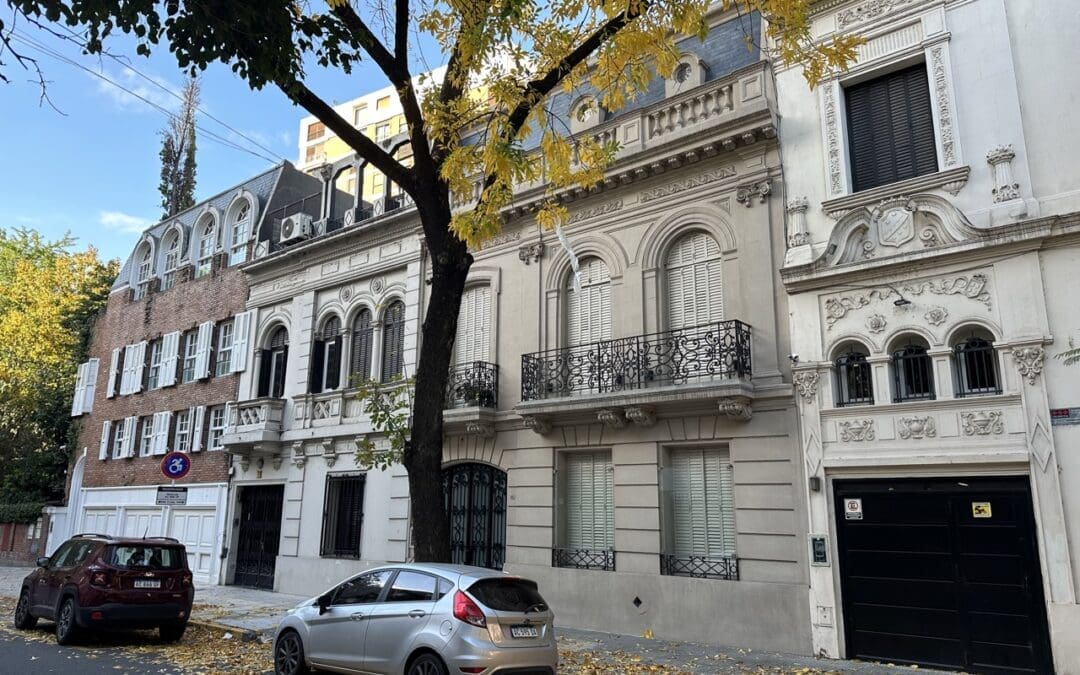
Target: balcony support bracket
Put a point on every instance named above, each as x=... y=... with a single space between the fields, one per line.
x=737 y=408
x=539 y=424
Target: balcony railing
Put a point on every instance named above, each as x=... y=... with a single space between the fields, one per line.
x=700 y=353
x=700 y=567
x=473 y=385
x=583 y=558
x=260 y=414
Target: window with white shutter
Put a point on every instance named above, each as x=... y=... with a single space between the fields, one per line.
x=90 y=385
x=114 y=373
x=106 y=438
x=692 y=274
x=241 y=339
x=162 y=420
x=138 y=368
x=202 y=350
x=146 y=434
x=170 y=353
x=79 y=397
x=130 y=425
x=128 y=375
x=119 y=441
x=198 y=417
x=191 y=353
x=701 y=507
x=588 y=312
x=182 y=437
x=588 y=512
x=473 y=342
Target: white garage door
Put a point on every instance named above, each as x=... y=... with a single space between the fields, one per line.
x=195 y=530
x=99 y=521
x=140 y=523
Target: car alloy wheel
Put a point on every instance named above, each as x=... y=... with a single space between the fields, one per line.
x=427 y=664
x=65 y=623
x=23 y=618
x=289 y=655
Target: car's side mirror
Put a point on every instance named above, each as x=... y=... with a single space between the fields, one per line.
x=324 y=603
x=43 y=561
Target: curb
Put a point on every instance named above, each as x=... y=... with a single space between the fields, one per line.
x=245 y=634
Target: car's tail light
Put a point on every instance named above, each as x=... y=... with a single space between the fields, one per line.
x=101 y=578
x=186 y=580
x=466 y=610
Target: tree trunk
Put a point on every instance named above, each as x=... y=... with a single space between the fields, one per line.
x=450 y=262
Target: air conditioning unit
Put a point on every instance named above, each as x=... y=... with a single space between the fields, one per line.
x=296 y=227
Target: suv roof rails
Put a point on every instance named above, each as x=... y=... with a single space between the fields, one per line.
x=91 y=534
x=173 y=539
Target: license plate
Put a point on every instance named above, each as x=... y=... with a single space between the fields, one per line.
x=147 y=583
x=524 y=631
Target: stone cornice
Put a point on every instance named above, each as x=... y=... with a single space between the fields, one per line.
x=950 y=180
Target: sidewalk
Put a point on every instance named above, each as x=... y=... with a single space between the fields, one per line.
x=254 y=614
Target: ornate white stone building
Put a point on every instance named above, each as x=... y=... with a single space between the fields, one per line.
x=933 y=230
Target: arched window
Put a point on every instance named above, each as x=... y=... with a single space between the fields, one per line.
x=588 y=312
x=326 y=357
x=207 y=244
x=393 y=341
x=142 y=275
x=854 y=383
x=241 y=232
x=975 y=365
x=913 y=372
x=695 y=287
x=273 y=362
x=172 y=260
x=473 y=342
x=362 y=340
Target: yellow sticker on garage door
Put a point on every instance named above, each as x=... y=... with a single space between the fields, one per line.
x=980 y=510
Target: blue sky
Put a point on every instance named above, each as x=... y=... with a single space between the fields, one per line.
x=93 y=171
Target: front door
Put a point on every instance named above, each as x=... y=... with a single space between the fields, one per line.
x=943 y=573
x=476 y=503
x=260 y=532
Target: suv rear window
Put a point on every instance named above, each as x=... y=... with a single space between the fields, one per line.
x=145 y=557
x=509 y=595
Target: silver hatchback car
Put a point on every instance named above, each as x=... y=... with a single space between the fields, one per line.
x=421 y=619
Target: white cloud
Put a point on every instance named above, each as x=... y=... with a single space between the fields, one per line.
x=136 y=84
x=123 y=222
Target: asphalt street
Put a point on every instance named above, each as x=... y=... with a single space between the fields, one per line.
x=31 y=655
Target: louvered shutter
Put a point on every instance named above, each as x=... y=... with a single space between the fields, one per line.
x=131 y=424
x=197 y=416
x=129 y=367
x=890 y=128
x=202 y=350
x=106 y=436
x=589 y=312
x=473 y=342
x=695 y=292
x=79 y=396
x=393 y=341
x=241 y=339
x=170 y=354
x=162 y=420
x=590 y=514
x=114 y=367
x=90 y=385
x=138 y=367
x=360 y=367
x=703 y=503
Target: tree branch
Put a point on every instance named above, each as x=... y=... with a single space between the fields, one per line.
x=401 y=33
x=394 y=71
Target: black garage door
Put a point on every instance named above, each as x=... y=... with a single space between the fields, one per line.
x=942 y=573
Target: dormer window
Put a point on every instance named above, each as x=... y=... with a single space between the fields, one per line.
x=207 y=244
x=142 y=278
x=172 y=260
x=241 y=227
x=584 y=114
x=688 y=73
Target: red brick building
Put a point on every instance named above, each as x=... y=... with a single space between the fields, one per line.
x=164 y=365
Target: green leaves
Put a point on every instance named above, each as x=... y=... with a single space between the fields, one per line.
x=389 y=407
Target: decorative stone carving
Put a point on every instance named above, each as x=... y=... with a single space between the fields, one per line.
x=642 y=416
x=613 y=419
x=299 y=457
x=329 y=453
x=540 y=425
x=1000 y=161
x=973 y=287
x=688 y=184
x=796 y=209
x=326 y=172
x=806 y=382
x=346 y=294
x=377 y=285
x=275 y=461
x=829 y=94
x=737 y=408
x=746 y=194
x=585 y=214
x=935 y=316
x=929 y=237
x=894 y=221
x=916 y=427
x=867 y=11
x=875 y=323
x=944 y=105
x=480 y=429
x=245 y=463
x=531 y=253
x=1029 y=361
x=500 y=239
x=982 y=423
x=857 y=431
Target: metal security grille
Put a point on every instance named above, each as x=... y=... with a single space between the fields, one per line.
x=476 y=504
x=976 y=368
x=853 y=380
x=343 y=516
x=913 y=377
x=260 y=532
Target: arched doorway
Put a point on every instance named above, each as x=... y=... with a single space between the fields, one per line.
x=476 y=504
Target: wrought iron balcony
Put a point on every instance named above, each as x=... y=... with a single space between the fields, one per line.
x=700 y=567
x=583 y=558
x=473 y=385
x=700 y=353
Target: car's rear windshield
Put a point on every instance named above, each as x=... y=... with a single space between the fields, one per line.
x=509 y=595
x=145 y=557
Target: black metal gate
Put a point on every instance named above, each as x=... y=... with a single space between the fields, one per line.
x=260 y=532
x=476 y=504
x=942 y=573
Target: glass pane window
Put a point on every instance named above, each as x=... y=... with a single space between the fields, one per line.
x=146 y=439
x=362 y=590
x=412 y=586
x=154 y=371
x=207 y=243
x=118 y=439
x=913 y=375
x=976 y=367
x=142 y=282
x=240 y=229
x=344 y=516
x=182 y=438
x=191 y=346
x=225 y=347
x=217 y=427
x=172 y=261
x=854 y=384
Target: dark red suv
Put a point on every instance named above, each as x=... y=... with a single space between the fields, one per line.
x=98 y=582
